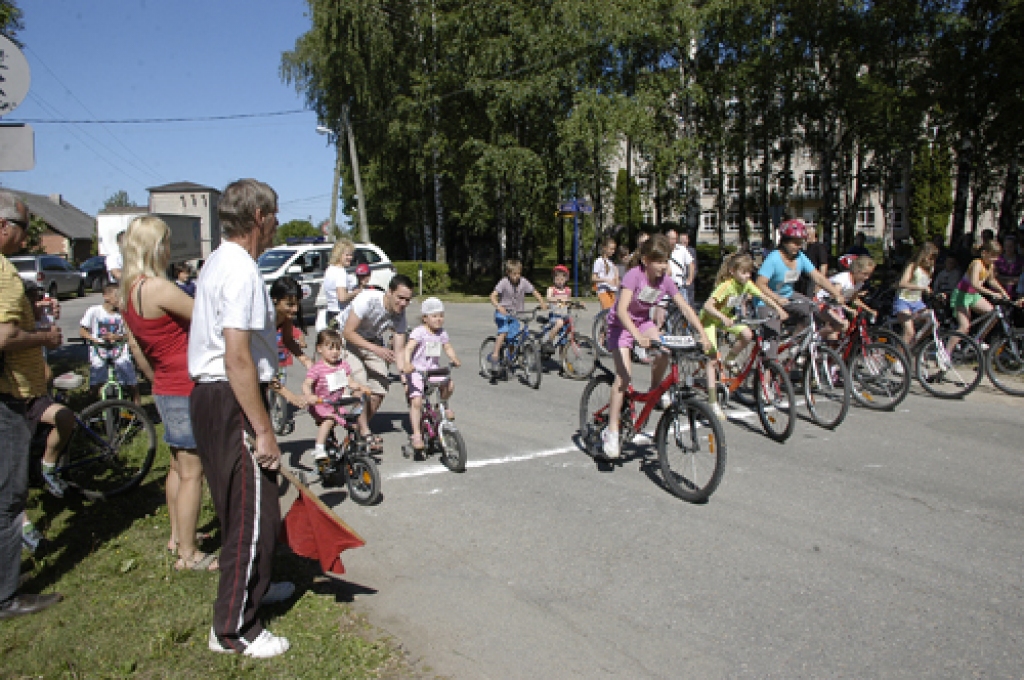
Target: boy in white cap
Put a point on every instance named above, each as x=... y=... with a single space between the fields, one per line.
x=423 y=353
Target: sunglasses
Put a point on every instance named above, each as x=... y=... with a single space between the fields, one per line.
x=21 y=223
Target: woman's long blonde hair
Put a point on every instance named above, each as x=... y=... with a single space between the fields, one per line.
x=145 y=251
x=342 y=246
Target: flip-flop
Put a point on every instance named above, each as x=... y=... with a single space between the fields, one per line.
x=204 y=563
x=374 y=441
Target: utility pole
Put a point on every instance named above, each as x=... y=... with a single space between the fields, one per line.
x=364 y=229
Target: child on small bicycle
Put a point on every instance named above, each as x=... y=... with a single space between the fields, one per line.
x=850 y=282
x=630 y=323
x=508 y=297
x=913 y=285
x=979 y=280
x=103 y=325
x=558 y=297
x=732 y=288
x=328 y=377
x=423 y=353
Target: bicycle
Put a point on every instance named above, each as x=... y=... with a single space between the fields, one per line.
x=111 y=449
x=440 y=435
x=349 y=459
x=823 y=374
x=110 y=351
x=577 y=354
x=879 y=371
x=1004 y=358
x=519 y=353
x=690 y=440
x=282 y=418
x=763 y=375
x=944 y=373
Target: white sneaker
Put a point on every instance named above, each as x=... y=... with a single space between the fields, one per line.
x=278 y=592
x=719 y=413
x=665 y=401
x=267 y=645
x=319 y=453
x=215 y=645
x=610 y=443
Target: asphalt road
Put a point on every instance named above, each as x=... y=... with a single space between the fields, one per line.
x=891 y=547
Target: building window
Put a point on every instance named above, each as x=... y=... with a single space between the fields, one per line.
x=897 y=219
x=866 y=218
x=733 y=182
x=812 y=183
x=755 y=221
x=707 y=185
x=194 y=200
x=709 y=221
x=754 y=182
x=183 y=204
x=810 y=218
x=204 y=200
x=732 y=221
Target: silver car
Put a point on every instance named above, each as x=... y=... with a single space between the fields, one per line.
x=53 y=274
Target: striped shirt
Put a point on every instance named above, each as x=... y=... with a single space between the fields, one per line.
x=24 y=373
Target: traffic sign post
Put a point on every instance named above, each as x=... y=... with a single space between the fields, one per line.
x=573 y=209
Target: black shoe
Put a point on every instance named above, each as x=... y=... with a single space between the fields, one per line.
x=28 y=604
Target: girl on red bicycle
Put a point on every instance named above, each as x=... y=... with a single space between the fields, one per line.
x=629 y=321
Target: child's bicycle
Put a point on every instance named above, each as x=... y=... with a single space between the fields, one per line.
x=111 y=448
x=879 y=370
x=690 y=440
x=520 y=353
x=350 y=459
x=110 y=351
x=577 y=354
x=282 y=418
x=440 y=435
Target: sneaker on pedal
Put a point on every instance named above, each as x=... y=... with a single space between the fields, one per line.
x=54 y=484
x=610 y=443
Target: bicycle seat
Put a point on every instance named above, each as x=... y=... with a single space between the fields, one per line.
x=68 y=381
x=437 y=373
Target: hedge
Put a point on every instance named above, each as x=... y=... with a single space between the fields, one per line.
x=435 y=276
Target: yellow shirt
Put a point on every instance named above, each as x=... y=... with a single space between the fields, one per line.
x=727 y=292
x=24 y=373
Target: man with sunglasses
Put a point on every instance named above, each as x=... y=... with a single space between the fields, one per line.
x=23 y=376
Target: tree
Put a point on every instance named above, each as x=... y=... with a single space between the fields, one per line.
x=10 y=19
x=119 y=199
x=930 y=193
x=295 y=229
x=627 y=202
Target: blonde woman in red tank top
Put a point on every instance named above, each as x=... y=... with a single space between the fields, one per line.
x=158 y=314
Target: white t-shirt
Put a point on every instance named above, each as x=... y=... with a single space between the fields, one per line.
x=113 y=261
x=605 y=269
x=230 y=294
x=334 y=278
x=100 y=322
x=374 y=317
x=844 y=280
x=679 y=263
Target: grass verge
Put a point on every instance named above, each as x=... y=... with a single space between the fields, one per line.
x=127 y=612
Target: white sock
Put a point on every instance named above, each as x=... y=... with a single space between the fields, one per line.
x=319 y=452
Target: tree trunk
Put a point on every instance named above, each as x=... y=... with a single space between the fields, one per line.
x=963 y=188
x=720 y=201
x=1011 y=195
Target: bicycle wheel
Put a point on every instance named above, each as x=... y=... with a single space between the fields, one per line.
x=112 y=453
x=453 y=449
x=889 y=336
x=486 y=351
x=691 y=450
x=827 y=388
x=776 y=402
x=600 y=332
x=880 y=376
x=594 y=411
x=1005 y=364
x=280 y=414
x=949 y=374
x=531 y=362
x=579 y=357
x=362 y=479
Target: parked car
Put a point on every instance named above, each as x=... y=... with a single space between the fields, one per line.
x=53 y=274
x=307 y=259
x=95 y=272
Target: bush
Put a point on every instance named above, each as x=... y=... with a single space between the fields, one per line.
x=435 y=276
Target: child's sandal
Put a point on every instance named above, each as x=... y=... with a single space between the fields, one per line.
x=416 y=442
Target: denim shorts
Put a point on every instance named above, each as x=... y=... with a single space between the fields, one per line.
x=910 y=307
x=177 y=423
x=507 y=324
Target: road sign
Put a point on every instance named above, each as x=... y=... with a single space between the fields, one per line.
x=17 y=147
x=14 y=76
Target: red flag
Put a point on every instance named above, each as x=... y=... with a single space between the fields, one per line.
x=312 y=530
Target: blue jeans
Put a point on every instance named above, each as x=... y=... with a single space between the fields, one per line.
x=13 y=492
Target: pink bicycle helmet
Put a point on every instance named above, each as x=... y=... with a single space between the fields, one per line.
x=846 y=261
x=793 y=229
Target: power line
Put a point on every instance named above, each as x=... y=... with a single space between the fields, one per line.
x=149 y=121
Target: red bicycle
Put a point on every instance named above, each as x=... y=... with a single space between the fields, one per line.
x=689 y=439
x=879 y=371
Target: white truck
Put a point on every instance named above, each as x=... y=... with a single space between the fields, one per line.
x=186 y=244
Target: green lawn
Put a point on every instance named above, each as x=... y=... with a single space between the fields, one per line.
x=127 y=612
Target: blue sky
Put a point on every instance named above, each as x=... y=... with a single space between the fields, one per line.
x=119 y=59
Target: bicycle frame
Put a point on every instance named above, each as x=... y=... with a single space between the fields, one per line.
x=857 y=330
x=80 y=424
x=649 y=398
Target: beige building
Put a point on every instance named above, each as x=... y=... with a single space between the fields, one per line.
x=189 y=198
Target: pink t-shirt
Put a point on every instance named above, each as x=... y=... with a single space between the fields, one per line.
x=320 y=374
x=644 y=296
x=429 y=348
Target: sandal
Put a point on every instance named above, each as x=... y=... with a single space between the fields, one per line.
x=416 y=442
x=374 y=441
x=200 y=561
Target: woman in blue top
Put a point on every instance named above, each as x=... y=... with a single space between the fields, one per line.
x=783 y=268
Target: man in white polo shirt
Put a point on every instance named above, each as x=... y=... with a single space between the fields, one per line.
x=232 y=356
